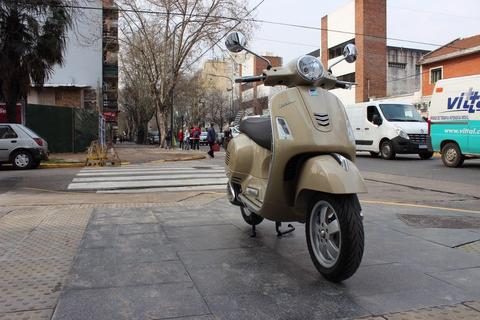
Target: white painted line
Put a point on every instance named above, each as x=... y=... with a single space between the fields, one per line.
x=144 y=184
x=125 y=173
x=168 y=189
x=151 y=177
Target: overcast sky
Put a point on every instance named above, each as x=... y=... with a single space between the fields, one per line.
x=432 y=21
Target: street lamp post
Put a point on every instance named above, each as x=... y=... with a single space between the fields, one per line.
x=231 y=89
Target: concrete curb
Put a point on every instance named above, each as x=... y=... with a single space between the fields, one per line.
x=62 y=165
x=190 y=158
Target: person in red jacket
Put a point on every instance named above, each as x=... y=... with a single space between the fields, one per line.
x=180 y=138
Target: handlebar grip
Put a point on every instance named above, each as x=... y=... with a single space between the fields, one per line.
x=250 y=79
x=341 y=85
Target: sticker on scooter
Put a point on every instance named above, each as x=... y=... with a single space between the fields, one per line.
x=313 y=92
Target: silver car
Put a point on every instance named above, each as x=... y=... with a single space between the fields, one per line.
x=21 y=147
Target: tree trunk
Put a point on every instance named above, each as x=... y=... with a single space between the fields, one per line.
x=11 y=97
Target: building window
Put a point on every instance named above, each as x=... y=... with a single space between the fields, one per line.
x=417 y=70
x=350 y=77
x=398 y=65
x=337 y=51
x=435 y=75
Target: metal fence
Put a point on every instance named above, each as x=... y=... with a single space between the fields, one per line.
x=65 y=129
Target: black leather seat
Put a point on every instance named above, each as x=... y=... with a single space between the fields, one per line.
x=259 y=129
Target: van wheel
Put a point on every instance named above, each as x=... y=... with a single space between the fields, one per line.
x=374 y=154
x=251 y=218
x=22 y=160
x=452 y=156
x=425 y=155
x=335 y=237
x=386 y=150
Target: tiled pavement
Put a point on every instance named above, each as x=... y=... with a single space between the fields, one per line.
x=199 y=263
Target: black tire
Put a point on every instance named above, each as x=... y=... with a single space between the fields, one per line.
x=426 y=155
x=452 y=155
x=22 y=160
x=351 y=236
x=374 y=154
x=251 y=218
x=386 y=150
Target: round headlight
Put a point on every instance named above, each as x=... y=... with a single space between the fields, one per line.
x=310 y=68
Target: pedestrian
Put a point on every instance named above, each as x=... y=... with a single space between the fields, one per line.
x=186 y=139
x=196 y=138
x=168 y=139
x=211 y=135
x=180 y=138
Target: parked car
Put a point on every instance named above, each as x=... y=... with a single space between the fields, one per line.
x=153 y=137
x=203 y=138
x=21 y=147
x=386 y=128
x=454 y=120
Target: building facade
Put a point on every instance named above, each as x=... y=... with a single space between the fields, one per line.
x=88 y=79
x=458 y=58
x=380 y=70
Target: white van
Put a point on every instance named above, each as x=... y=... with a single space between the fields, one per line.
x=454 y=118
x=389 y=128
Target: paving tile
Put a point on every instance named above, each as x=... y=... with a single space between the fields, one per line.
x=473 y=247
x=473 y=304
x=208 y=238
x=457 y=312
x=44 y=314
x=441 y=294
x=141 y=302
x=467 y=279
x=133 y=274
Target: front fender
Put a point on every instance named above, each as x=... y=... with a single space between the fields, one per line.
x=326 y=174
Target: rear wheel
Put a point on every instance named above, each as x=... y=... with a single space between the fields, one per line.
x=251 y=218
x=386 y=150
x=426 y=155
x=22 y=160
x=335 y=239
x=452 y=156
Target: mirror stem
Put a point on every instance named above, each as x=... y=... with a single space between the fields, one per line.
x=335 y=63
x=269 y=65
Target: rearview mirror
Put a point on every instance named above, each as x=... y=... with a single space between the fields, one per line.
x=350 y=53
x=235 y=42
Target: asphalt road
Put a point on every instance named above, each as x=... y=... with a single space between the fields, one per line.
x=413 y=166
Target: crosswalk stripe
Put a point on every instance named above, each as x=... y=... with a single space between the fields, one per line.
x=132 y=173
x=151 y=177
x=140 y=179
x=143 y=184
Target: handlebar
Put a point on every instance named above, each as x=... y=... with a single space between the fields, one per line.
x=344 y=84
x=250 y=79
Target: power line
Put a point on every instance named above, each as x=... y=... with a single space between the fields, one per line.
x=285 y=24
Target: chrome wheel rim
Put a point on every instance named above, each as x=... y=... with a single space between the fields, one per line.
x=451 y=155
x=325 y=234
x=22 y=160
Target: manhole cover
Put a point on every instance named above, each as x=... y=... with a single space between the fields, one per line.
x=449 y=222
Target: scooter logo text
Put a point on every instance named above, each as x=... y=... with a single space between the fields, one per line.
x=469 y=101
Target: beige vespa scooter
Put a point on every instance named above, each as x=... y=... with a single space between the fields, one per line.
x=297 y=163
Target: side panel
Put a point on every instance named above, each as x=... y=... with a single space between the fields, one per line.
x=474 y=136
x=323 y=173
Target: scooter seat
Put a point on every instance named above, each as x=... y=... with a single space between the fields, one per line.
x=259 y=129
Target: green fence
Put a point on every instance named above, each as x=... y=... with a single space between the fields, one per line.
x=65 y=129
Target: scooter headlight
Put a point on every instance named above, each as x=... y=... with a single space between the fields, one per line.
x=310 y=68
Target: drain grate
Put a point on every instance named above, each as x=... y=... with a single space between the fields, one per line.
x=448 y=222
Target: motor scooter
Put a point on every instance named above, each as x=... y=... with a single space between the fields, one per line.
x=297 y=164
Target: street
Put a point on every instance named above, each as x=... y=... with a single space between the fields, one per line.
x=97 y=243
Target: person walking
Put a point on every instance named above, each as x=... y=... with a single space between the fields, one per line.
x=196 y=138
x=186 y=139
x=211 y=135
x=180 y=138
x=168 y=139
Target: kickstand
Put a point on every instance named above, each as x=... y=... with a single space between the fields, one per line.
x=281 y=233
x=254 y=233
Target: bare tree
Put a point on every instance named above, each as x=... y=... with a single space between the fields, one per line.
x=173 y=38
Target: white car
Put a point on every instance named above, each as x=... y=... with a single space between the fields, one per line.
x=21 y=147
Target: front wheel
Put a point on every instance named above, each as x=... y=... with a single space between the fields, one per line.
x=334 y=232
x=386 y=150
x=251 y=218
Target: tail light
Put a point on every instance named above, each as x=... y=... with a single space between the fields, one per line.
x=429 y=122
x=39 y=141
